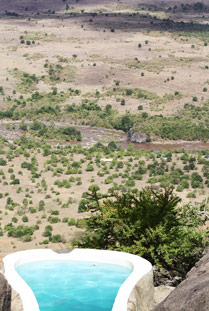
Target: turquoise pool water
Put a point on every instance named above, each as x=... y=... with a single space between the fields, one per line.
x=73 y=285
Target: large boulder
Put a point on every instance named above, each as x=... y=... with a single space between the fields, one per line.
x=193 y=293
x=5 y=294
x=137 y=137
x=161 y=292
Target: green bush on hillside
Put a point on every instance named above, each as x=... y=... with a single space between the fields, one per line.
x=148 y=224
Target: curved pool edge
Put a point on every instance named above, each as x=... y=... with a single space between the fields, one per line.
x=141 y=268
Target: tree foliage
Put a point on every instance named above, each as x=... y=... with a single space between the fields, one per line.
x=148 y=224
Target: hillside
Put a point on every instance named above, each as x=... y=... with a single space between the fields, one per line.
x=76 y=73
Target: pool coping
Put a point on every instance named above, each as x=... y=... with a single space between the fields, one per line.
x=140 y=267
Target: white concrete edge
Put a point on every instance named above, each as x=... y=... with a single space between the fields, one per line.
x=139 y=266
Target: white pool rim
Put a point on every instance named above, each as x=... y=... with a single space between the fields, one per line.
x=140 y=267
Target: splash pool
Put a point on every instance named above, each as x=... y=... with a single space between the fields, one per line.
x=56 y=287
x=84 y=279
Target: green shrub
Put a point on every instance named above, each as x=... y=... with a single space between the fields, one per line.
x=83 y=205
x=19 y=231
x=26 y=238
x=44 y=242
x=41 y=205
x=53 y=220
x=54 y=212
x=191 y=195
x=25 y=218
x=57 y=238
x=71 y=222
x=48 y=231
x=150 y=225
x=16 y=181
x=2 y=162
x=32 y=210
x=89 y=168
x=81 y=223
x=65 y=219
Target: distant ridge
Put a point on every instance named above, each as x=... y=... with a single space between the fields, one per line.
x=34 y=6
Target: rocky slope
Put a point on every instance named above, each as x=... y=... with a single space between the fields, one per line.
x=5 y=294
x=193 y=293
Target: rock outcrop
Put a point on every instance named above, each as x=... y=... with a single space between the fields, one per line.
x=141 y=298
x=16 y=304
x=5 y=294
x=137 y=137
x=193 y=293
x=161 y=292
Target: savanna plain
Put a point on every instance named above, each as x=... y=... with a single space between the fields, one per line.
x=77 y=79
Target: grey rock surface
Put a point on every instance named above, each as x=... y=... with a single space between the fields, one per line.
x=141 y=298
x=16 y=303
x=5 y=294
x=137 y=137
x=193 y=293
x=161 y=292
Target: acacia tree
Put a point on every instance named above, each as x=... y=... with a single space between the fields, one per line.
x=150 y=224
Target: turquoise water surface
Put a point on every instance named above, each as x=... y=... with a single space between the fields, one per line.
x=73 y=285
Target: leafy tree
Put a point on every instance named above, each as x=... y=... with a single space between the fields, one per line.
x=72 y=133
x=125 y=123
x=148 y=224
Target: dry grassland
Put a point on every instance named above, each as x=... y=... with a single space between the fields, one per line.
x=100 y=45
